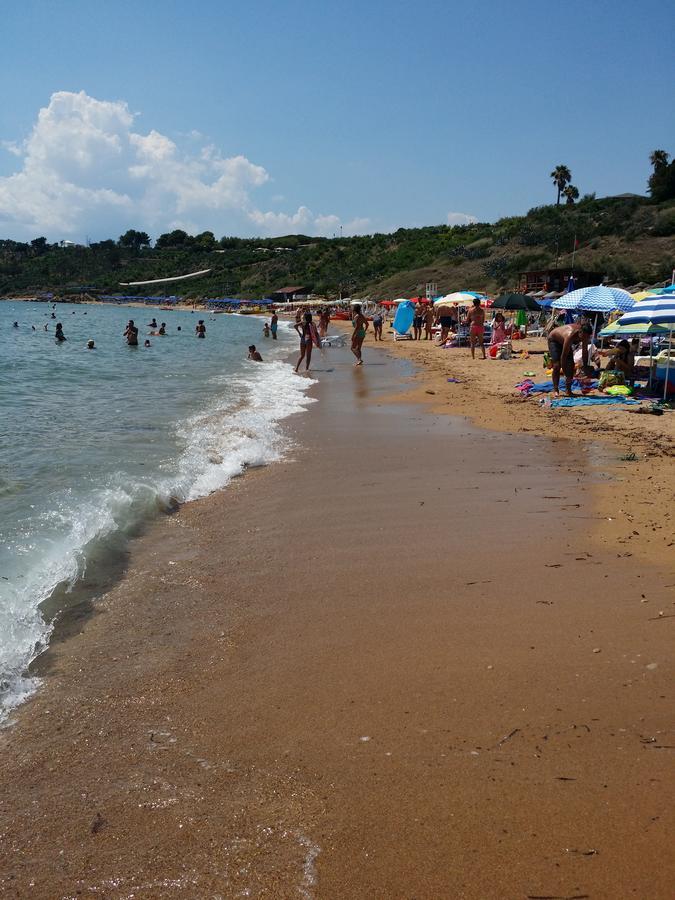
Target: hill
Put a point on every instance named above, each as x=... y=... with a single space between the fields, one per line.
x=628 y=238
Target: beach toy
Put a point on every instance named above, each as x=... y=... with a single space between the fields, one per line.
x=529 y=374
x=619 y=390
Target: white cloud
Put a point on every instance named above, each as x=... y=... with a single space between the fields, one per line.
x=459 y=218
x=85 y=170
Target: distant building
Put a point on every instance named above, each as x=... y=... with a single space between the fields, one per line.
x=290 y=293
x=556 y=280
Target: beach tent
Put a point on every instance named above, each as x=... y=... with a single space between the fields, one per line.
x=659 y=310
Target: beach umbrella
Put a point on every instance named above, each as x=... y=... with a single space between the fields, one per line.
x=459 y=298
x=658 y=310
x=642 y=295
x=596 y=299
x=670 y=289
x=616 y=329
x=516 y=301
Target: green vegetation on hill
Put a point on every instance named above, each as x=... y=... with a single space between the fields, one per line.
x=627 y=238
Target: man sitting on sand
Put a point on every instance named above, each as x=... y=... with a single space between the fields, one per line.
x=254 y=354
x=561 y=344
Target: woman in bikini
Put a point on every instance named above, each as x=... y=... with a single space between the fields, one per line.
x=309 y=337
x=360 y=324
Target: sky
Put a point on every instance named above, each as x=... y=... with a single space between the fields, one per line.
x=267 y=118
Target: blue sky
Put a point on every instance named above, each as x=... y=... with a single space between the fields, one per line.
x=276 y=117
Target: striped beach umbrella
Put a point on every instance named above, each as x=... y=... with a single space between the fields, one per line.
x=659 y=310
x=599 y=298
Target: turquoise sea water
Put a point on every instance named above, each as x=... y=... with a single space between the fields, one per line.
x=93 y=442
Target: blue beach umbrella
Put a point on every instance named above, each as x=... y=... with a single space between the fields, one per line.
x=596 y=299
x=658 y=310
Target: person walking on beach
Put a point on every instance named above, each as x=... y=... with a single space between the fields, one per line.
x=418 y=322
x=561 y=344
x=274 y=324
x=360 y=324
x=200 y=329
x=377 y=326
x=59 y=336
x=308 y=338
x=429 y=318
x=131 y=334
x=476 y=322
x=446 y=321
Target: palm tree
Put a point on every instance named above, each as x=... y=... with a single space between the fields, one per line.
x=659 y=159
x=572 y=194
x=561 y=176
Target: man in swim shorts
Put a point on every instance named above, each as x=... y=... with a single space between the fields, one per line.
x=561 y=344
x=131 y=334
x=476 y=321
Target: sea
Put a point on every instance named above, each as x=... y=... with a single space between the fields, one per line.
x=95 y=443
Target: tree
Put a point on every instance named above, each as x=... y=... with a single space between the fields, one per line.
x=176 y=238
x=561 y=176
x=39 y=246
x=659 y=159
x=571 y=193
x=134 y=240
x=662 y=180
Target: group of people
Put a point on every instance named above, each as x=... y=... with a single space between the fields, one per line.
x=311 y=335
x=571 y=352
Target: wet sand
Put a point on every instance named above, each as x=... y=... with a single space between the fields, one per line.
x=401 y=664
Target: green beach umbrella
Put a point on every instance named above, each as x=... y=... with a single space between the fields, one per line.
x=616 y=329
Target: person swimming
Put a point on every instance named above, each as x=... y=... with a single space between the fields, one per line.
x=200 y=329
x=58 y=333
x=15 y=324
x=162 y=328
x=147 y=343
x=254 y=354
x=91 y=345
x=153 y=324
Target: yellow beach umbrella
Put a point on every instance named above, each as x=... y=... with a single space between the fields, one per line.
x=642 y=295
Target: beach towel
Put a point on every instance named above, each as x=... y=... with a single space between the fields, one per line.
x=529 y=387
x=589 y=401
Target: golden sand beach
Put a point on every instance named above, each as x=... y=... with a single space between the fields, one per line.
x=428 y=656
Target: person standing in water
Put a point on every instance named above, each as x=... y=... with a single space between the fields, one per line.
x=476 y=322
x=153 y=324
x=200 y=329
x=131 y=334
x=308 y=338
x=274 y=324
x=360 y=324
x=254 y=354
x=58 y=334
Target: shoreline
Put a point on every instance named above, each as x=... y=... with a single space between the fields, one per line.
x=274 y=723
